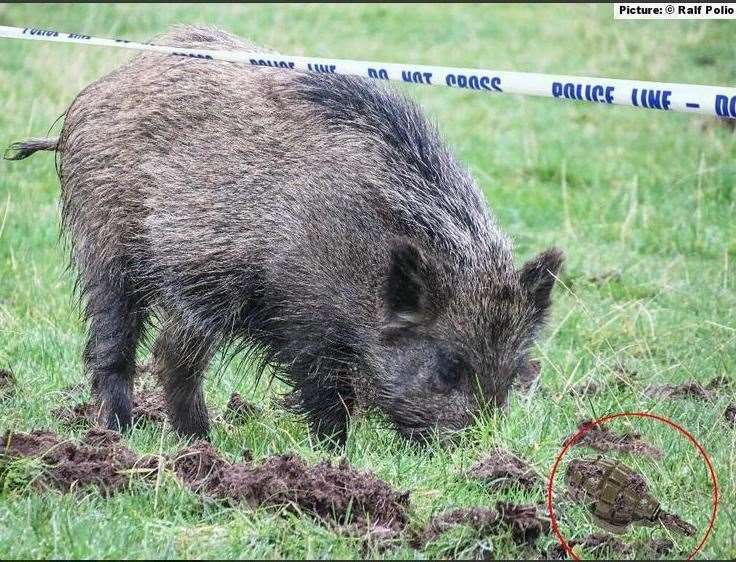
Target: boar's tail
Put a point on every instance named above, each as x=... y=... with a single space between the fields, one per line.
x=24 y=149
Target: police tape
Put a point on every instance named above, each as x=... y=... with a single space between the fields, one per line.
x=688 y=98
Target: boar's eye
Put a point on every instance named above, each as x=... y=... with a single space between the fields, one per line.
x=452 y=368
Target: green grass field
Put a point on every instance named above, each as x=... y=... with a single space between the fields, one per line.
x=642 y=202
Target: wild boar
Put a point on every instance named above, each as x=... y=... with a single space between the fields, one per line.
x=318 y=221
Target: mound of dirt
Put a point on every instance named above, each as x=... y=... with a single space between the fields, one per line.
x=36 y=443
x=605 y=277
x=330 y=492
x=691 y=389
x=721 y=382
x=588 y=388
x=502 y=470
x=484 y=520
x=524 y=521
x=620 y=380
x=239 y=411
x=200 y=466
x=656 y=548
x=730 y=414
x=336 y=494
x=99 y=460
x=149 y=407
x=84 y=414
x=602 y=439
x=7 y=383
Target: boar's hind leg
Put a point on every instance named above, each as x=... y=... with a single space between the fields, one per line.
x=179 y=361
x=115 y=321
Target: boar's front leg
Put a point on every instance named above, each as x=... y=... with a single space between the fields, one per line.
x=180 y=359
x=327 y=404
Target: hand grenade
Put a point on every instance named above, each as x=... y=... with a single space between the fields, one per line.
x=617 y=496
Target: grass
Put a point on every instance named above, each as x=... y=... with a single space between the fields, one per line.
x=643 y=203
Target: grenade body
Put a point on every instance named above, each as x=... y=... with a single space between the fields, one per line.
x=616 y=495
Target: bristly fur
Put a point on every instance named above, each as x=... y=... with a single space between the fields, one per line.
x=315 y=223
x=444 y=204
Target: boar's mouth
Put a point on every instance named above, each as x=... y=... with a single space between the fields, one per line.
x=425 y=432
x=424 y=418
x=427 y=436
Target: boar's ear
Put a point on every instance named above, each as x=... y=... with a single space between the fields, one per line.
x=405 y=289
x=538 y=277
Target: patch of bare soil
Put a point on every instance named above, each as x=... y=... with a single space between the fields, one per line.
x=588 y=388
x=690 y=389
x=7 y=383
x=483 y=520
x=148 y=403
x=239 y=411
x=502 y=470
x=721 y=382
x=730 y=414
x=147 y=406
x=200 y=466
x=603 y=439
x=605 y=277
x=84 y=414
x=524 y=522
x=620 y=380
x=99 y=460
x=656 y=548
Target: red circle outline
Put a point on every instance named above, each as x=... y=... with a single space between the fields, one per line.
x=584 y=429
